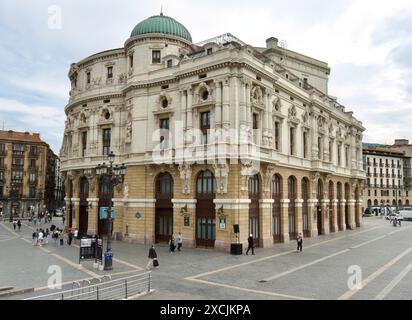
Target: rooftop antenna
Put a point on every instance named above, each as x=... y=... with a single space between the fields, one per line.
x=161 y=10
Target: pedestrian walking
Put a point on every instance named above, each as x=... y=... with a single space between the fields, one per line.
x=40 y=238
x=172 y=245
x=63 y=219
x=55 y=237
x=61 y=237
x=35 y=236
x=299 y=240
x=19 y=224
x=14 y=224
x=179 y=241
x=152 y=257
x=250 y=245
x=70 y=237
x=46 y=236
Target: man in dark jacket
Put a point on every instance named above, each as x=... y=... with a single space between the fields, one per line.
x=152 y=256
x=250 y=245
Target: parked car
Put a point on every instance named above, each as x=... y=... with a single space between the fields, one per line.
x=406 y=215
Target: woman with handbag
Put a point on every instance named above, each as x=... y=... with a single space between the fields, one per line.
x=152 y=259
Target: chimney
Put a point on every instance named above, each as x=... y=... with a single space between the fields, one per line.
x=272 y=43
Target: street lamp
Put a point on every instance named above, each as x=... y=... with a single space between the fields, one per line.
x=115 y=175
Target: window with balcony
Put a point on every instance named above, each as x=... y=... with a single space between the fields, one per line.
x=156 y=56
x=33 y=151
x=32 y=164
x=18 y=149
x=32 y=177
x=18 y=162
x=106 y=141
x=2 y=149
x=205 y=127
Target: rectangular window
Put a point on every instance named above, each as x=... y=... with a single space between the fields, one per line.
x=106 y=141
x=330 y=151
x=19 y=162
x=164 y=133
x=205 y=127
x=277 y=135
x=156 y=57
x=109 y=72
x=88 y=76
x=319 y=148
x=339 y=155
x=32 y=177
x=255 y=128
x=347 y=156
x=305 y=145
x=84 y=143
x=209 y=51
x=170 y=63
x=131 y=61
x=292 y=141
x=1 y=163
x=32 y=164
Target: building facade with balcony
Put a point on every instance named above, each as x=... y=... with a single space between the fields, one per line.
x=25 y=178
x=388 y=176
x=213 y=134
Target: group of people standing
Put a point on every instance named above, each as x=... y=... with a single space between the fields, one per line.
x=172 y=242
x=395 y=221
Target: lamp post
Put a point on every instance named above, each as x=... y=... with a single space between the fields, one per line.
x=114 y=175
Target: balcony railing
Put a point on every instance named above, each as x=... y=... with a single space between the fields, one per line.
x=18 y=153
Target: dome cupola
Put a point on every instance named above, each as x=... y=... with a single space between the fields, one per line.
x=162 y=24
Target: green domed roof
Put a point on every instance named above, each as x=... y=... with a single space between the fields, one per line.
x=162 y=24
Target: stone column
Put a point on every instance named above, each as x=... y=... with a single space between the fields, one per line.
x=299 y=216
x=312 y=217
x=68 y=202
x=351 y=214
x=188 y=232
x=360 y=217
x=284 y=219
x=183 y=100
x=248 y=106
x=342 y=215
x=76 y=212
x=226 y=104
x=335 y=215
x=93 y=216
x=265 y=128
x=265 y=222
x=189 y=109
x=218 y=116
x=325 y=217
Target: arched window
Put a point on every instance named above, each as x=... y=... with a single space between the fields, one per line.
x=164 y=185
x=84 y=189
x=206 y=183
x=254 y=185
x=291 y=211
x=305 y=206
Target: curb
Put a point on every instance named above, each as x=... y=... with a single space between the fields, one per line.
x=15 y=292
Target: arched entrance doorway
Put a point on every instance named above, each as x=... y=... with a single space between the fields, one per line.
x=83 y=206
x=104 y=200
x=164 y=207
x=319 y=195
x=369 y=203
x=305 y=207
x=393 y=202
x=339 y=209
x=347 y=190
x=292 y=205
x=205 y=210
x=407 y=202
x=277 y=196
x=254 y=196
x=331 y=197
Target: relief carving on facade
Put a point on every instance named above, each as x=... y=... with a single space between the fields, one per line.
x=92 y=179
x=200 y=90
x=129 y=128
x=256 y=96
x=221 y=175
x=185 y=175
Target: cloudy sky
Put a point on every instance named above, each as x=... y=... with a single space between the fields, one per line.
x=368 y=45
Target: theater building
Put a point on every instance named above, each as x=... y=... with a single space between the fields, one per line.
x=214 y=134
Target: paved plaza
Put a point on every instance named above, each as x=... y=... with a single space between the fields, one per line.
x=382 y=252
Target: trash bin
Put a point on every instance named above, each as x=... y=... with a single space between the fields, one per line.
x=236 y=249
x=108 y=260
